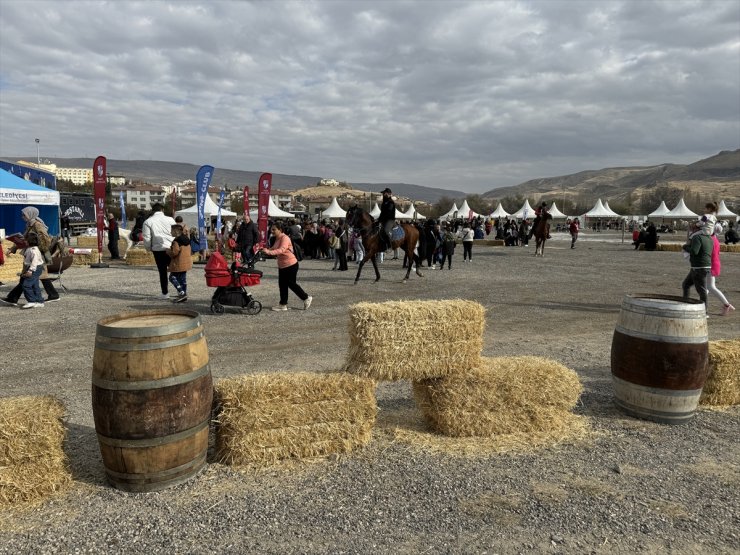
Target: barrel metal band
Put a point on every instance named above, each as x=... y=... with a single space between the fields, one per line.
x=657 y=390
x=161 y=474
x=148 y=346
x=155 y=441
x=155 y=331
x=666 y=416
x=665 y=312
x=152 y=384
x=660 y=338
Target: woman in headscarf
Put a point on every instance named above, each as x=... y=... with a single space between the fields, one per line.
x=35 y=224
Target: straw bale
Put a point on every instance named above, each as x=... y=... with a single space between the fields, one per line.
x=729 y=248
x=666 y=247
x=264 y=418
x=495 y=243
x=85 y=259
x=139 y=257
x=502 y=395
x=414 y=340
x=12 y=267
x=722 y=387
x=32 y=461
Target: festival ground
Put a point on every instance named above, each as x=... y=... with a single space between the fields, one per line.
x=630 y=486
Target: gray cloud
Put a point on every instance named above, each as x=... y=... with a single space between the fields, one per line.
x=466 y=95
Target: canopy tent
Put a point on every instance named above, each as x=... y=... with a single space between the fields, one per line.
x=414 y=214
x=659 y=212
x=402 y=215
x=681 y=211
x=499 y=212
x=466 y=212
x=16 y=194
x=599 y=211
x=725 y=212
x=608 y=208
x=554 y=212
x=210 y=209
x=334 y=210
x=375 y=212
x=526 y=211
x=451 y=213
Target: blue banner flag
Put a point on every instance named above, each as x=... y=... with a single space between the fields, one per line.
x=202 y=181
x=218 y=218
x=123 y=211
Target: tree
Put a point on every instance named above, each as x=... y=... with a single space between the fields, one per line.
x=441 y=206
x=479 y=204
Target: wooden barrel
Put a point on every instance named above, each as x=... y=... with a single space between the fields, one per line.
x=659 y=357
x=151 y=396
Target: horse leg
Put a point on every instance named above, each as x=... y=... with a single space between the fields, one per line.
x=417 y=259
x=359 y=268
x=375 y=267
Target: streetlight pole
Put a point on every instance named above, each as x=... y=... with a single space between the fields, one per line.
x=38 y=158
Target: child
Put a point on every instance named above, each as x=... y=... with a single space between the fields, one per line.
x=181 y=260
x=33 y=266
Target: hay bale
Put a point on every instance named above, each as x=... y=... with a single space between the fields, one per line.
x=665 y=247
x=32 y=462
x=729 y=248
x=139 y=257
x=722 y=387
x=502 y=395
x=264 y=418
x=87 y=242
x=12 y=267
x=85 y=259
x=496 y=243
x=414 y=340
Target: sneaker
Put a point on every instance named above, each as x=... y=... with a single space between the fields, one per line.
x=53 y=300
x=181 y=299
x=307 y=303
x=163 y=296
x=280 y=308
x=727 y=309
x=8 y=301
x=33 y=305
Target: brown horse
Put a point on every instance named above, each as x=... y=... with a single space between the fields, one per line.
x=371 y=241
x=540 y=233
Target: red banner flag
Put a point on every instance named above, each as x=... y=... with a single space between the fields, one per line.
x=246 y=201
x=263 y=202
x=99 y=180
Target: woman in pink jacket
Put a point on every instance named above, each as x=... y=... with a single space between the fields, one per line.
x=287 y=263
x=714 y=273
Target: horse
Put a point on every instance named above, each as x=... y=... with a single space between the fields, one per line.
x=540 y=233
x=371 y=241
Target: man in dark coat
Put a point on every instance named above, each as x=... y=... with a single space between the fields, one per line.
x=113 y=236
x=246 y=238
x=387 y=217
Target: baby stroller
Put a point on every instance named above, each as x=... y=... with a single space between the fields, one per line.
x=231 y=284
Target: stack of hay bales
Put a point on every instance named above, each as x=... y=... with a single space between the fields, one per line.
x=264 y=418
x=139 y=257
x=32 y=462
x=495 y=243
x=503 y=395
x=12 y=267
x=87 y=242
x=414 y=340
x=85 y=259
x=666 y=247
x=722 y=387
x=729 y=248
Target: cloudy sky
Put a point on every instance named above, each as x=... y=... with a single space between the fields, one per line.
x=461 y=95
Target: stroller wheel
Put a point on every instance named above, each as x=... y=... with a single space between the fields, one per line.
x=217 y=308
x=253 y=307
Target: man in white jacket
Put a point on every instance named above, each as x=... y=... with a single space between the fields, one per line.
x=157 y=239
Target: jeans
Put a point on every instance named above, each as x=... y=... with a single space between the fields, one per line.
x=163 y=260
x=287 y=280
x=180 y=281
x=31 y=288
x=698 y=278
x=17 y=291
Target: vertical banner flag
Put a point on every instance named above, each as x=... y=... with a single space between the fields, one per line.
x=263 y=201
x=246 y=201
x=123 y=210
x=99 y=174
x=218 y=217
x=202 y=181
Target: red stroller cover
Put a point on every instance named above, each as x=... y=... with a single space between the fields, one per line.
x=217 y=262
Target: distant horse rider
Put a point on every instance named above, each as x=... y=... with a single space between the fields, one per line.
x=387 y=217
x=539 y=213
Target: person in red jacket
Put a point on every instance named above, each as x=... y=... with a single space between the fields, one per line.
x=574 y=227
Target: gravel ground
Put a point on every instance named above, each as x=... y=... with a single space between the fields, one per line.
x=633 y=486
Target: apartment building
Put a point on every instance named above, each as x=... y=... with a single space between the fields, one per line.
x=141 y=196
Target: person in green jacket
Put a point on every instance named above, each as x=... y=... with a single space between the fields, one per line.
x=699 y=248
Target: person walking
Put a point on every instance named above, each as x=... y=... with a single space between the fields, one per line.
x=247 y=236
x=467 y=234
x=342 y=235
x=113 y=237
x=699 y=248
x=574 y=228
x=287 y=264
x=715 y=272
x=447 y=248
x=157 y=239
x=64 y=224
x=181 y=260
x=33 y=266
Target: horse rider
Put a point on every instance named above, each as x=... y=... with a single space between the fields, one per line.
x=539 y=213
x=387 y=217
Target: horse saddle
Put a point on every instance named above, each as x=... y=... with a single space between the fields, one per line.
x=397 y=234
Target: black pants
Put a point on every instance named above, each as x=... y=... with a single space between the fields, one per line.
x=448 y=257
x=163 y=260
x=113 y=248
x=17 y=291
x=467 y=250
x=287 y=280
x=698 y=278
x=342 y=256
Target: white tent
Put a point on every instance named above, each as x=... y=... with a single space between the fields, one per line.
x=375 y=212
x=273 y=211
x=413 y=213
x=554 y=212
x=334 y=210
x=725 y=212
x=608 y=208
x=210 y=209
x=526 y=211
x=599 y=211
x=402 y=215
x=450 y=214
x=659 y=212
x=499 y=212
x=465 y=211
x=681 y=211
